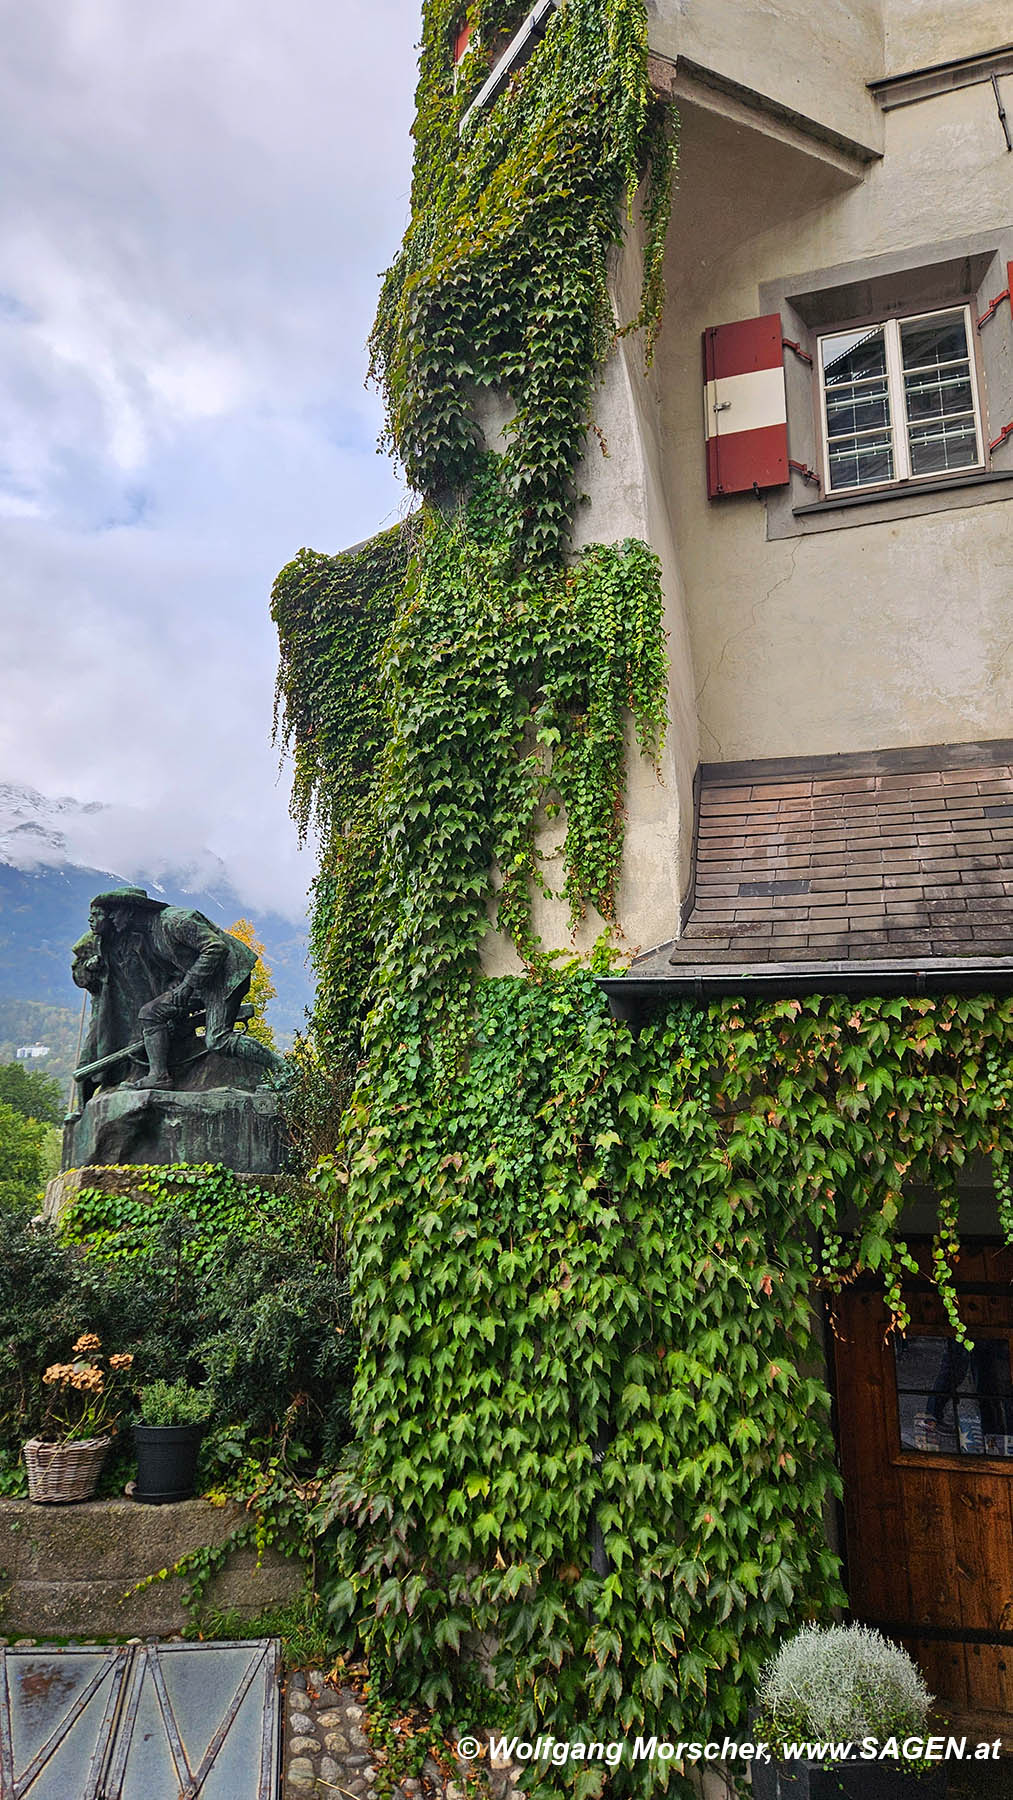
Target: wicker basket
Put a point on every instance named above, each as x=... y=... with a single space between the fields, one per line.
x=58 y=1472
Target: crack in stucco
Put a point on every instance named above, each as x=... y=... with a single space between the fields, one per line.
x=744 y=631
x=997 y=667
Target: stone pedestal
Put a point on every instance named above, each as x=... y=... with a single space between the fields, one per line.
x=242 y=1129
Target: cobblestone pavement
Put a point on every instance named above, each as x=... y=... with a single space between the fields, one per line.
x=327 y=1753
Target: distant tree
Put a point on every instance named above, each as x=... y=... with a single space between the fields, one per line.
x=22 y=1158
x=31 y=1094
x=262 y=988
x=52 y=1153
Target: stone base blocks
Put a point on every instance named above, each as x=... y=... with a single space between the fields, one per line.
x=68 y=1571
x=227 y=1125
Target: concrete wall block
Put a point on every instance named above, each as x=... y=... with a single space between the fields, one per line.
x=68 y=1570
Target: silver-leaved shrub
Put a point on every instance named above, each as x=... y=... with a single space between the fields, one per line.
x=843 y=1682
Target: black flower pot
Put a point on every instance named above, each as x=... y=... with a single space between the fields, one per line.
x=845 y=1781
x=166 y=1462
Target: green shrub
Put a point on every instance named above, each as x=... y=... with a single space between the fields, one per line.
x=258 y=1317
x=22 y=1159
x=30 y=1093
x=281 y=1358
x=174 y=1403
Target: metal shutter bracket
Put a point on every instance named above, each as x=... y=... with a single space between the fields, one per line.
x=994 y=305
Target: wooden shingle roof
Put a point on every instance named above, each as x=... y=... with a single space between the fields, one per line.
x=900 y=856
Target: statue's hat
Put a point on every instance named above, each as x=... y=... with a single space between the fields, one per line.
x=128 y=896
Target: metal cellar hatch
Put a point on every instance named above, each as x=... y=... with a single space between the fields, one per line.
x=140 y=1722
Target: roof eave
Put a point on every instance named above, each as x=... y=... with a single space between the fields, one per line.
x=633 y=998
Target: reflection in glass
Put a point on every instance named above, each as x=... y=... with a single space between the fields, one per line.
x=859 y=440
x=937 y=394
x=955 y=1401
x=899 y=400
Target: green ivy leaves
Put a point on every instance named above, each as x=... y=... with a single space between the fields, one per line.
x=437 y=725
x=501 y=280
x=587 y=1421
x=584 y=1269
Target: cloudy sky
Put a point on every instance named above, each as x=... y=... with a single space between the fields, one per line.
x=195 y=202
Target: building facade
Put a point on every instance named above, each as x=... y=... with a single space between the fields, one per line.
x=829 y=497
x=822 y=457
x=849 y=172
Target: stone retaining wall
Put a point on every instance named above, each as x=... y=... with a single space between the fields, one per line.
x=66 y=1571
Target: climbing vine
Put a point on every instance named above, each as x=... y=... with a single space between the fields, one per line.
x=334 y=614
x=501 y=281
x=499 y=701
x=588 y=1420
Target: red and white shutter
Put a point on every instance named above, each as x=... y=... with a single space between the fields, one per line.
x=746 y=417
x=462 y=38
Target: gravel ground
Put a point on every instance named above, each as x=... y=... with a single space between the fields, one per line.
x=326 y=1751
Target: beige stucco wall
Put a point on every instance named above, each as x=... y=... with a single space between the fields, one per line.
x=921 y=33
x=880 y=634
x=814 y=60
x=623 y=486
x=877 y=635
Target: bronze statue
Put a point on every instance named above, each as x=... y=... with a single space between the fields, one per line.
x=155 y=973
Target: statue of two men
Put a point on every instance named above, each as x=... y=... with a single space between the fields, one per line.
x=154 y=972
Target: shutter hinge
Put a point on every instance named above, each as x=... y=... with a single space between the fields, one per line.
x=808 y=474
x=1007 y=431
x=803 y=355
x=994 y=305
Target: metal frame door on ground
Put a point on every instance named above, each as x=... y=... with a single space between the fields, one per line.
x=140 y=1721
x=925 y=1429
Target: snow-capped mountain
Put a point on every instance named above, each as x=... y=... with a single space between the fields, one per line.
x=40 y=832
x=34 y=828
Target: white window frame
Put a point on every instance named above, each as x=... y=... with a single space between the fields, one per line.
x=899 y=427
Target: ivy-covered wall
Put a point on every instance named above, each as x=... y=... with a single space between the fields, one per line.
x=582 y=1265
x=586 y=1271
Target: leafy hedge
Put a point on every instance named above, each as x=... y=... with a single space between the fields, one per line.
x=243 y=1293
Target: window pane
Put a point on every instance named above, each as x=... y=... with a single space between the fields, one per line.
x=853 y=356
x=944 y=445
x=955 y=1401
x=938 y=396
x=852 y=409
x=925 y=343
x=853 y=365
x=855 y=461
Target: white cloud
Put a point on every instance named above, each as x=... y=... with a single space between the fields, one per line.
x=196 y=204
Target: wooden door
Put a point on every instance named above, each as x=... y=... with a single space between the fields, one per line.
x=926 y=1442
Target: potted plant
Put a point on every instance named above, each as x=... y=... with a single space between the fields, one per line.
x=167 y=1440
x=84 y=1400
x=845 y=1685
